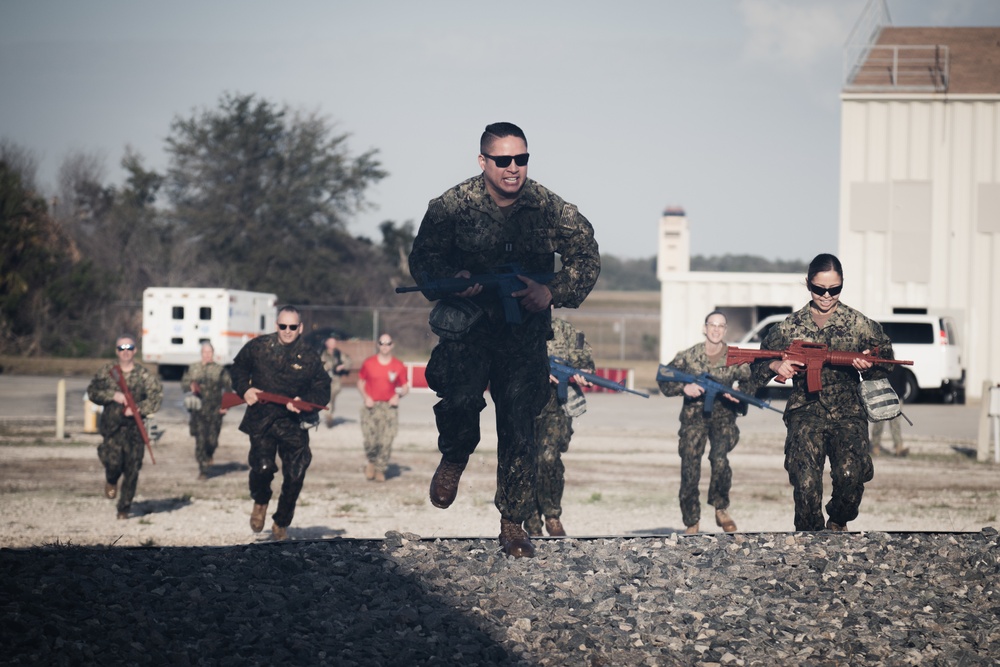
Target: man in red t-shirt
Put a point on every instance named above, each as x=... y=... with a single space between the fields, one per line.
x=382 y=382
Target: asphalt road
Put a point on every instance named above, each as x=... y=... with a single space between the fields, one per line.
x=34 y=398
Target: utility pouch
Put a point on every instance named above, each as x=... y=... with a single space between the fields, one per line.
x=576 y=402
x=453 y=318
x=879 y=400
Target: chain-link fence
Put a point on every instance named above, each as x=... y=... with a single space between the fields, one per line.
x=613 y=335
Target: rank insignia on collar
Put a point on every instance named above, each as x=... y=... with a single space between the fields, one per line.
x=297 y=367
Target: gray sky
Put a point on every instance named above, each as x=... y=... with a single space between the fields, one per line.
x=729 y=109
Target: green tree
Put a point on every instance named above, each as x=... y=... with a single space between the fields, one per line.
x=263 y=195
x=46 y=285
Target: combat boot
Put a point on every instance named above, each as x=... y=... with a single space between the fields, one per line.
x=692 y=529
x=554 y=527
x=444 y=484
x=370 y=471
x=724 y=521
x=279 y=532
x=257 y=517
x=533 y=526
x=110 y=490
x=514 y=541
x=836 y=527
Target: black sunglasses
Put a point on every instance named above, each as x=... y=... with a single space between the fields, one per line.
x=126 y=346
x=293 y=327
x=503 y=161
x=385 y=342
x=820 y=291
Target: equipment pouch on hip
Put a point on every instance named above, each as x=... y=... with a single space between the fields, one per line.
x=576 y=402
x=452 y=318
x=880 y=401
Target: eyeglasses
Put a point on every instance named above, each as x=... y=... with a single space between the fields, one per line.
x=293 y=327
x=503 y=161
x=385 y=342
x=125 y=347
x=820 y=291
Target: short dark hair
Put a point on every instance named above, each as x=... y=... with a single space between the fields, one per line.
x=824 y=262
x=717 y=312
x=496 y=131
x=290 y=309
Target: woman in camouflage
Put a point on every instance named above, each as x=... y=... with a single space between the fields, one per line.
x=829 y=423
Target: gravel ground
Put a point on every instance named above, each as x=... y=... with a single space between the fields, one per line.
x=742 y=599
x=185 y=582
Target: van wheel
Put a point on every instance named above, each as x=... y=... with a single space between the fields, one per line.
x=910 y=388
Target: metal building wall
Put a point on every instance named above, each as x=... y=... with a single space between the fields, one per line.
x=897 y=152
x=686 y=298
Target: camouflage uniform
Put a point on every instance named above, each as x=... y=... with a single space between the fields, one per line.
x=554 y=427
x=330 y=362
x=206 y=422
x=123 y=449
x=289 y=370
x=379 y=425
x=465 y=229
x=717 y=427
x=830 y=423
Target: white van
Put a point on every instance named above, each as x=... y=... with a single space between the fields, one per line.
x=175 y=321
x=930 y=341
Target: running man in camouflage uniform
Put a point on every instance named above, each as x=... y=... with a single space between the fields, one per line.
x=554 y=429
x=207 y=381
x=830 y=423
x=496 y=218
x=123 y=448
x=718 y=427
x=280 y=363
x=337 y=365
x=382 y=382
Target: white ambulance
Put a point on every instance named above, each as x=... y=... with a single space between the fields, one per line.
x=176 y=320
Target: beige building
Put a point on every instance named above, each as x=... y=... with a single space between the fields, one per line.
x=920 y=180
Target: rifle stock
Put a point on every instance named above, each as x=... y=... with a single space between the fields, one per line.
x=810 y=355
x=118 y=376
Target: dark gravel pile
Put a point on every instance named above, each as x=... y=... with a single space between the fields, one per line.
x=743 y=599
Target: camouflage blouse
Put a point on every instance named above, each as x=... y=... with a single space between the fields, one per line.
x=212 y=379
x=569 y=343
x=695 y=361
x=145 y=387
x=465 y=229
x=846 y=330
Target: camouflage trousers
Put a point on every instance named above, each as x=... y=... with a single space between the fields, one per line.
x=553 y=431
x=516 y=372
x=288 y=441
x=894 y=428
x=720 y=430
x=812 y=438
x=335 y=386
x=122 y=453
x=379 y=425
x=205 y=429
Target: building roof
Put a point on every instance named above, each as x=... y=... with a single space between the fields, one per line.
x=957 y=61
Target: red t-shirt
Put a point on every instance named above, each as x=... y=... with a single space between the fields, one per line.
x=381 y=381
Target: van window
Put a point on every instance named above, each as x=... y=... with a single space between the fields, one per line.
x=205 y=313
x=903 y=333
x=760 y=335
x=949 y=329
x=177 y=312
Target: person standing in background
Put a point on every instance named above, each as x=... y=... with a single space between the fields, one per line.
x=206 y=381
x=382 y=382
x=337 y=365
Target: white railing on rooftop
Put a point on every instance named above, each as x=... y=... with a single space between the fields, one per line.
x=897 y=67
